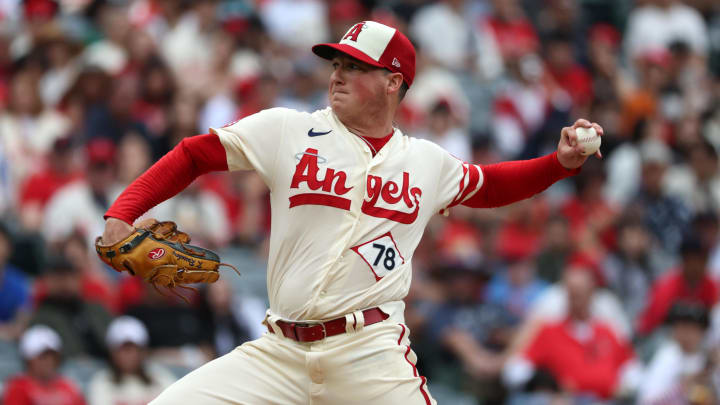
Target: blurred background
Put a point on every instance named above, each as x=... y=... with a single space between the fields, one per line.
x=602 y=290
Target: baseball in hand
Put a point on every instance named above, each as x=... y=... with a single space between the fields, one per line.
x=588 y=140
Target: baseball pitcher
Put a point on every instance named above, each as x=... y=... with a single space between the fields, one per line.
x=350 y=196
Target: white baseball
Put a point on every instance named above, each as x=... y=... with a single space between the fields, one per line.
x=588 y=139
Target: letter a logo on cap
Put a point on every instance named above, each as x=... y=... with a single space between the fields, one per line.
x=354 y=32
x=380 y=46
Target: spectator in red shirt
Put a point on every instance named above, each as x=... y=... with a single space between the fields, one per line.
x=566 y=72
x=590 y=215
x=41 y=383
x=37 y=190
x=583 y=355
x=690 y=283
x=157 y=90
x=511 y=30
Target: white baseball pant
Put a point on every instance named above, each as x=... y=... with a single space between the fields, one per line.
x=368 y=365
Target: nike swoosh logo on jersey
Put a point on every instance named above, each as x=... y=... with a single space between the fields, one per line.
x=313 y=133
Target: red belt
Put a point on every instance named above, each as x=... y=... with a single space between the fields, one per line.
x=310 y=332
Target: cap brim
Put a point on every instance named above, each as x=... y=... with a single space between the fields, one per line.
x=328 y=51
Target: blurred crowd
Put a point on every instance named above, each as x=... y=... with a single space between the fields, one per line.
x=602 y=290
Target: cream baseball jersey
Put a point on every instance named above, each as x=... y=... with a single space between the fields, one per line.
x=345 y=224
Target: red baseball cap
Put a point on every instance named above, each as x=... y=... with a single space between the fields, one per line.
x=377 y=45
x=40 y=8
x=605 y=33
x=100 y=151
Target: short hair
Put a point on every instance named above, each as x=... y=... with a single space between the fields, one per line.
x=692 y=244
x=58 y=264
x=403 y=90
x=689 y=312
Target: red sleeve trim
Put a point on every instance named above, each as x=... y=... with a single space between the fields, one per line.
x=508 y=182
x=192 y=157
x=473 y=174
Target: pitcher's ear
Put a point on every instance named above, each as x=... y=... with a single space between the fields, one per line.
x=395 y=82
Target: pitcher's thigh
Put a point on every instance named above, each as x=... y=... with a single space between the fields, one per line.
x=377 y=367
x=258 y=372
x=395 y=382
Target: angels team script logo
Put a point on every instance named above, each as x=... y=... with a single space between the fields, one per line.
x=382 y=196
x=390 y=193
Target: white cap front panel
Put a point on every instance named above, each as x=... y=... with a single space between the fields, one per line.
x=369 y=37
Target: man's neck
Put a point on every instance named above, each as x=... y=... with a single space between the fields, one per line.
x=371 y=131
x=377 y=125
x=581 y=328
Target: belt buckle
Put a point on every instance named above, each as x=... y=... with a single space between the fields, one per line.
x=309 y=325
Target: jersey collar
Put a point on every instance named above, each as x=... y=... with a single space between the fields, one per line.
x=397 y=135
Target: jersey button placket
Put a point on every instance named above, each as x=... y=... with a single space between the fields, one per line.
x=354 y=216
x=355 y=210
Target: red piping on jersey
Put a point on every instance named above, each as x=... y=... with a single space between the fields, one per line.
x=460 y=186
x=320 y=199
x=192 y=157
x=474 y=174
x=473 y=180
x=377 y=143
x=356 y=249
x=423 y=380
x=507 y=182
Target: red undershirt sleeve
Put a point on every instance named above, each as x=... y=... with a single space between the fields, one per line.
x=192 y=157
x=507 y=182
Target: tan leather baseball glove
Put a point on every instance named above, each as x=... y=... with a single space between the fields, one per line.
x=158 y=252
